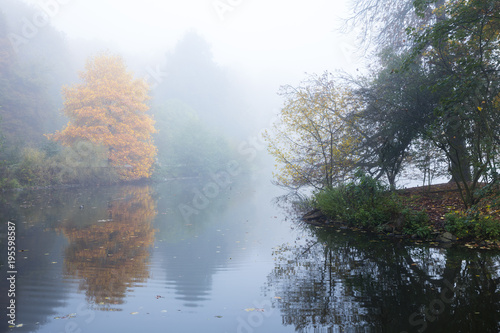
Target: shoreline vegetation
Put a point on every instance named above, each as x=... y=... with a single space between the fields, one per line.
x=426 y=106
x=432 y=213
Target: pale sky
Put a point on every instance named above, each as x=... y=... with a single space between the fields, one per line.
x=284 y=38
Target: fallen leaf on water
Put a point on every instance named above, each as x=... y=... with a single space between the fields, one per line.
x=277 y=297
x=218 y=316
x=134 y=313
x=71 y=315
x=18 y=325
x=254 y=309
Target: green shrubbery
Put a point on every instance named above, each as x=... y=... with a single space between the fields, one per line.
x=368 y=203
x=83 y=164
x=416 y=223
x=481 y=221
x=472 y=224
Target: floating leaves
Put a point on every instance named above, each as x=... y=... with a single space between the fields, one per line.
x=68 y=316
x=254 y=309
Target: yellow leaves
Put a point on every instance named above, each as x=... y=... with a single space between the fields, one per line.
x=109 y=108
x=313 y=141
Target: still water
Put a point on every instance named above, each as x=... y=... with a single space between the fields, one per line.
x=192 y=256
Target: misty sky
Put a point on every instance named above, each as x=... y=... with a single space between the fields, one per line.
x=281 y=39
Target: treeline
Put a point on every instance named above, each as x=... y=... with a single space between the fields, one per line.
x=429 y=104
x=187 y=109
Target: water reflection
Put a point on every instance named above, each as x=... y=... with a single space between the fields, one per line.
x=214 y=266
x=111 y=255
x=194 y=249
x=348 y=282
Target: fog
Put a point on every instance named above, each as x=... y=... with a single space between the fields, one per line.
x=216 y=64
x=264 y=44
x=260 y=37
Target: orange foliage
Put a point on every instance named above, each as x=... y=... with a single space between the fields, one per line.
x=108 y=108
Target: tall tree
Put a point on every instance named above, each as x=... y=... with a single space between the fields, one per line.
x=194 y=78
x=109 y=108
x=314 y=141
x=461 y=51
x=384 y=23
x=399 y=109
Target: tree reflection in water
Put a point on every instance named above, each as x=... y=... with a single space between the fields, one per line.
x=111 y=255
x=339 y=281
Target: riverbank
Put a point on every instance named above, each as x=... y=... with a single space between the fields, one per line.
x=440 y=203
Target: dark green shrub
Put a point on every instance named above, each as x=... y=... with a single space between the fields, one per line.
x=364 y=201
x=416 y=223
x=367 y=202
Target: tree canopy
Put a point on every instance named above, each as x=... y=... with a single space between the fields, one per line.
x=314 y=143
x=109 y=108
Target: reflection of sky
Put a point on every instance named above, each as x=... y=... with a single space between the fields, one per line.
x=40 y=287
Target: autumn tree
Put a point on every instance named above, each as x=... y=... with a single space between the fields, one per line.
x=109 y=108
x=314 y=141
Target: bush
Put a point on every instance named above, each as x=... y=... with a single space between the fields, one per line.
x=32 y=169
x=417 y=223
x=367 y=202
x=481 y=221
x=84 y=163
x=472 y=224
x=9 y=184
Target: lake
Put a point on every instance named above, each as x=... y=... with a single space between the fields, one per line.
x=209 y=256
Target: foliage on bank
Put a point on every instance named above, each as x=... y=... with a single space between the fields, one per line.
x=481 y=221
x=428 y=105
x=366 y=202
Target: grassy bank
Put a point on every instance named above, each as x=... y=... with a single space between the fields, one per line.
x=425 y=213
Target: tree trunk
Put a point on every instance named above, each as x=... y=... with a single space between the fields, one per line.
x=459 y=162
